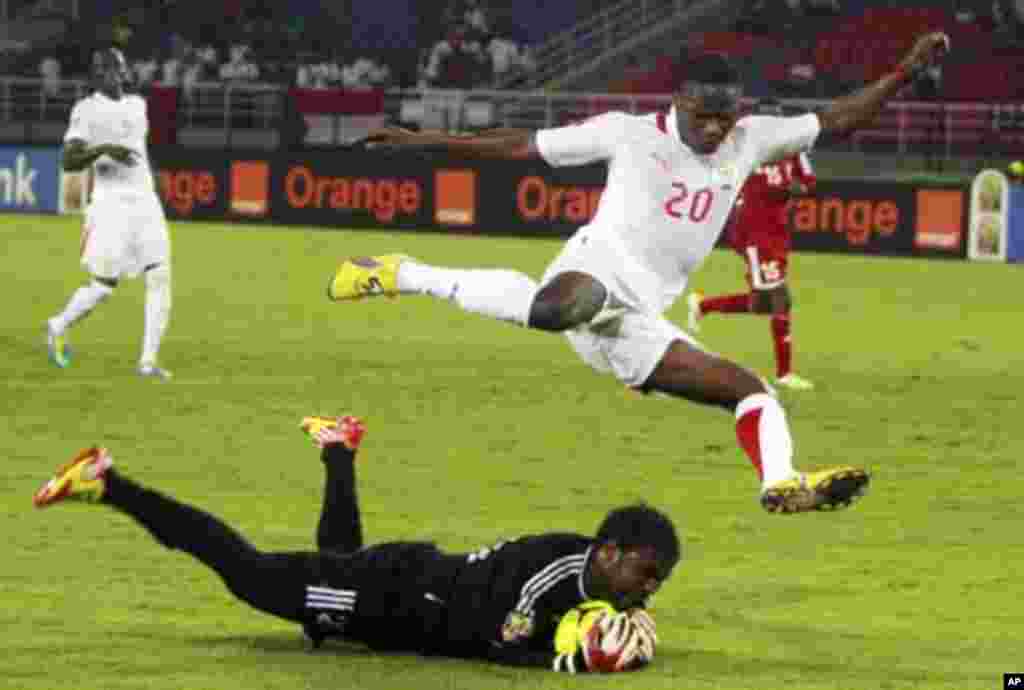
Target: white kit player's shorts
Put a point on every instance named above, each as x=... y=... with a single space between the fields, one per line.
x=123 y=234
x=631 y=344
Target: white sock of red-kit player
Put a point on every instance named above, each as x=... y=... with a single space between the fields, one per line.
x=763 y=432
x=497 y=293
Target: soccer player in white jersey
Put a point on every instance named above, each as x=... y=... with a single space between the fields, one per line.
x=125 y=231
x=672 y=180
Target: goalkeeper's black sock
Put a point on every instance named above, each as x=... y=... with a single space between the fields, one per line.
x=340 y=527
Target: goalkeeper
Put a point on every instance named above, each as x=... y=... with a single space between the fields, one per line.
x=500 y=603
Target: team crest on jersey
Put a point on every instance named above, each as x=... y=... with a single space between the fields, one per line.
x=517 y=626
x=725 y=175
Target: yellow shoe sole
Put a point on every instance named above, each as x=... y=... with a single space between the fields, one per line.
x=836 y=490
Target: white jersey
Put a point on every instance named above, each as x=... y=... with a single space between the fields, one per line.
x=664 y=205
x=97 y=120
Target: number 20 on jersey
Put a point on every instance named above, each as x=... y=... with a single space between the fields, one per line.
x=694 y=206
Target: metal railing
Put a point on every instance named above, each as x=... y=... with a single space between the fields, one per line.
x=239 y=106
x=11 y=10
x=943 y=129
x=595 y=35
x=204 y=104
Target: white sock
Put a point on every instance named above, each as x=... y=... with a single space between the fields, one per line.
x=498 y=293
x=763 y=432
x=158 y=312
x=85 y=299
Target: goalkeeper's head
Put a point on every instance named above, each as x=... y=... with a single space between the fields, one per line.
x=635 y=550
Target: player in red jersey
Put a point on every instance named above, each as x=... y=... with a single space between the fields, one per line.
x=758 y=232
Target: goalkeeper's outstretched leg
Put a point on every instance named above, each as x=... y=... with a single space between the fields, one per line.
x=271 y=582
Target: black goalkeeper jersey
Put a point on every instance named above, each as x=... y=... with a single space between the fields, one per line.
x=501 y=602
x=507 y=600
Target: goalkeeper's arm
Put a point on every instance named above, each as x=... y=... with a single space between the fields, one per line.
x=515 y=655
x=632 y=639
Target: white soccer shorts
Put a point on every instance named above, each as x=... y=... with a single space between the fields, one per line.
x=631 y=344
x=124 y=234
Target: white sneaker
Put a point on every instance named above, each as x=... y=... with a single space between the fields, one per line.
x=693 y=301
x=153 y=371
x=795 y=383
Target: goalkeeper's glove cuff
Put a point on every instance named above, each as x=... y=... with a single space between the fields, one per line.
x=570 y=663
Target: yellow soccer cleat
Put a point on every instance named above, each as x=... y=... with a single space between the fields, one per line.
x=324 y=431
x=829 y=489
x=79 y=480
x=366 y=276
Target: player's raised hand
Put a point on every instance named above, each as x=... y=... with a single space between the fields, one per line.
x=928 y=49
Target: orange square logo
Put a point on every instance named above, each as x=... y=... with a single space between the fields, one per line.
x=250 y=187
x=939 y=219
x=455 y=192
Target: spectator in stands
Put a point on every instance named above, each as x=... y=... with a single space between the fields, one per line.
x=457 y=63
x=1008 y=16
x=240 y=68
x=209 y=63
x=469 y=14
x=319 y=72
x=365 y=73
x=174 y=65
x=145 y=69
x=49 y=70
x=191 y=69
x=475 y=17
x=507 y=58
x=929 y=86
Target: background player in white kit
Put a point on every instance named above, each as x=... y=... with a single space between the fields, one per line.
x=125 y=231
x=672 y=180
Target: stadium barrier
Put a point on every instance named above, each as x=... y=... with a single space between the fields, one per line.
x=996 y=224
x=29 y=180
x=419 y=192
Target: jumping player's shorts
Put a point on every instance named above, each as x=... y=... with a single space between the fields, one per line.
x=629 y=340
x=123 y=234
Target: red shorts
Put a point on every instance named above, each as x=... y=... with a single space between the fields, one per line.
x=766 y=262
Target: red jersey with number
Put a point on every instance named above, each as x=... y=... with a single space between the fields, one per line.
x=760 y=214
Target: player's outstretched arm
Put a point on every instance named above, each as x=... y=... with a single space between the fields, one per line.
x=78 y=155
x=859 y=108
x=516 y=144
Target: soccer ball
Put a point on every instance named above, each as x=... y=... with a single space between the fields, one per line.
x=572 y=629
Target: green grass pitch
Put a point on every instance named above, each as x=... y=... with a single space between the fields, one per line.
x=479 y=430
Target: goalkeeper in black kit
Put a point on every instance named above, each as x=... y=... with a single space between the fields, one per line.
x=501 y=603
